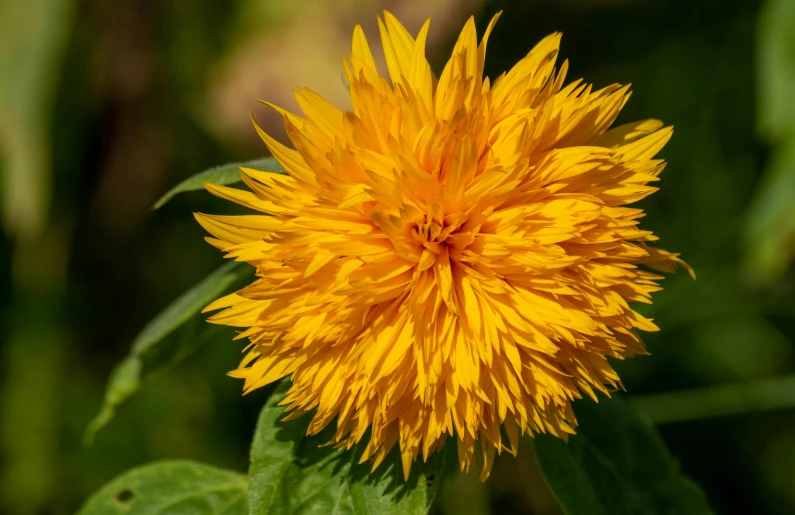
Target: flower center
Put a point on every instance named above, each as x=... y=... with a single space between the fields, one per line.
x=434 y=233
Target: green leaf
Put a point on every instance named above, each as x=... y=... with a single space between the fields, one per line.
x=154 y=351
x=292 y=474
x=224 y=174
x=170 y=487
x=616 y=464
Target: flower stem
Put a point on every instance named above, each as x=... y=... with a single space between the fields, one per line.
x=717 y=401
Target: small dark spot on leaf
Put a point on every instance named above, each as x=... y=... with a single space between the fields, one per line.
x=125 y=496
x=429 y=480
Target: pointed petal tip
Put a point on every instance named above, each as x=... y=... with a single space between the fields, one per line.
x=495 y=18
x=254 y=120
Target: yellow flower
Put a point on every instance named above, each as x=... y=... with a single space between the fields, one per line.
x=452 y=257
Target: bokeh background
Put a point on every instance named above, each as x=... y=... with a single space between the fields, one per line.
x=105 y=105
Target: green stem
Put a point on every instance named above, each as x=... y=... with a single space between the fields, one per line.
x=717 y=401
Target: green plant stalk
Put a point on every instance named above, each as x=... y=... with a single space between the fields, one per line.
x=718 y=401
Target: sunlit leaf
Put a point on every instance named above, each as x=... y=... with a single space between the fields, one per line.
x=616 y=464
x=224 y=174
x=291 y=474
x=171 y=487
x=153 y=350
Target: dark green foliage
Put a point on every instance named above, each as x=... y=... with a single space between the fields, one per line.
x=616 y=464
x=153 y=351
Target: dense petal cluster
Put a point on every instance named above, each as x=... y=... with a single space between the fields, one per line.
x=453 y=258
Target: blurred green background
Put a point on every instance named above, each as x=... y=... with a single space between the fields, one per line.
x=104 y=105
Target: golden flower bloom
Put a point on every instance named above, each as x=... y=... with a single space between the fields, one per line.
x=451 y=257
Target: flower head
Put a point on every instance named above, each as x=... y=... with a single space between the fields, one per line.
x=453 y=257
